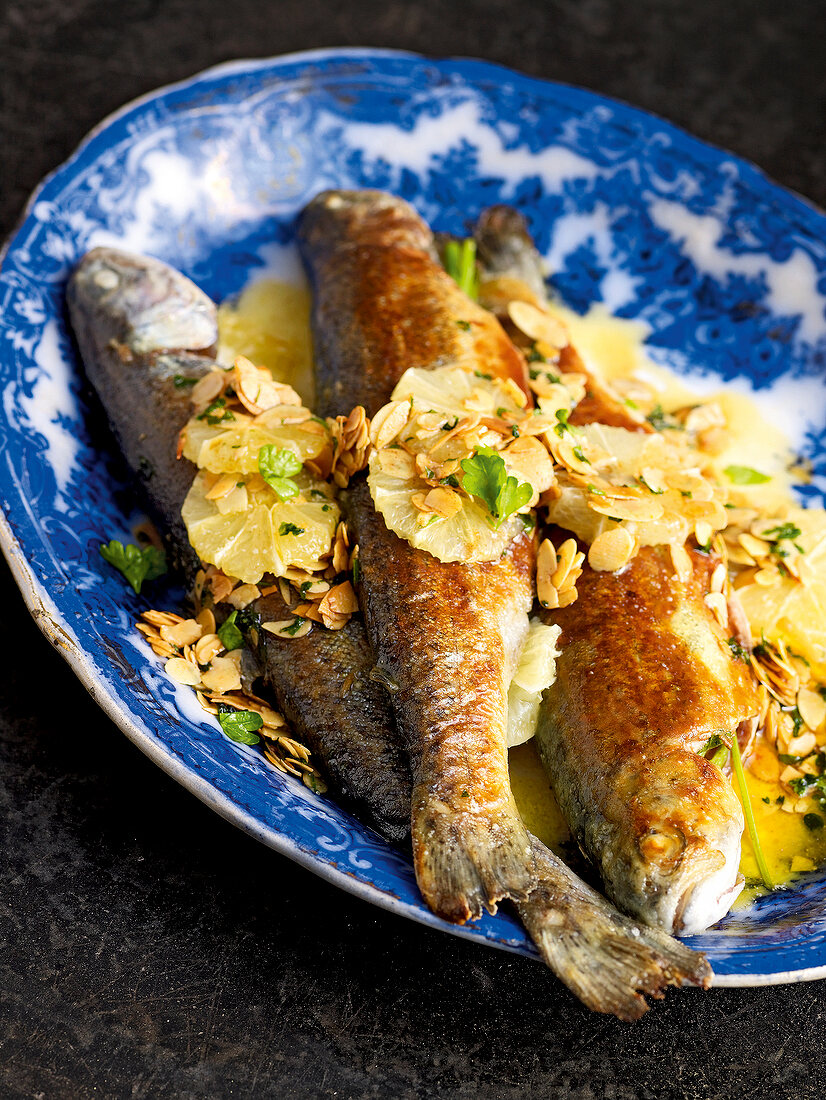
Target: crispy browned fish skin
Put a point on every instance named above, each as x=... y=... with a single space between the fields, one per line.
x=448 y=635
x=139 y=324
x=644 y=676
x=322 y=685
x=382 y=302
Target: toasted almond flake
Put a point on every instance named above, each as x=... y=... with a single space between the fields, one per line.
x=256 y=389
x=397 y=463
x=638 y=509
x=222 y=487
x=611 y=550
x=537 y=324
x=162 y=618
x=703 y=532
x=183 y=672
x=207 y=620
x=768 y=576
x=564 y=562
x=220 y=585
x=388 y=422
x=206 y=389
x=280 y=628
x=546 y=565
x=528 y=458
x=718 y=604
x=340 y=600
x=788 y=806
x=758 y=548
x=789 y=773
x=243 y=595
x=567 y=597
x=222 y=675
x=802 y=805
x=183 y=633
x=718 y=578
x=208 y=647
x=681 y=561
x=812 y=707
x=802 y=745
x=162 y=649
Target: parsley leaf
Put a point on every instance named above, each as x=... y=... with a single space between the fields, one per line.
x=739 y=651
x=240 y=725
x=231 y=637
x=745 y=475
x=277 y=465
x=216 y=412
x=460 y=264
x=290 y=529
x=486 y=477
x=136 y=565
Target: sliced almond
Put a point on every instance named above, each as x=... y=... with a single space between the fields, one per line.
x=396 y=463
x=638 y=509
x=718 y=604
x=611 y=550
x=812 y=707
x=546 y=565
x=538 y=325
x=243 y=595
x=340 y=600
x=388 y=422
x=208 y=647
x=183 y=672
x=681 y=561
x=443 y=501
x=286 y=628
x=209 y=387
x=221 y=676
x=183 y=633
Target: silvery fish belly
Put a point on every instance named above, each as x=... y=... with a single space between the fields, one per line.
x=141 y=328
x=645 y=677
x=449 y=635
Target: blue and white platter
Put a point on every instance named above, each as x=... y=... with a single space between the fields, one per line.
x=726 y=269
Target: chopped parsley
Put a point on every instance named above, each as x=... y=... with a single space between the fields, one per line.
x=277 y=466
x=486 y=478
x=136 y=565
x=290 y=529
x=449 y=425
x=216 y=413
x=181 y=382
x=785 y=532
x=650 y=488
x=739 y=651
x=294 y=626
x=464 y=325
x=240 y=725
x=660 y=421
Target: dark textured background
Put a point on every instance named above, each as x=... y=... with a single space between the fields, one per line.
x=148 y=948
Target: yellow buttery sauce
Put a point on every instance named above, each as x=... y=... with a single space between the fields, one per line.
x=269 y=323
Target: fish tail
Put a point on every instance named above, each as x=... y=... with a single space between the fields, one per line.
x=607 y=960
x=466 y=862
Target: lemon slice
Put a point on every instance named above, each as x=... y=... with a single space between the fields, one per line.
x=270 y=536
x=466 y=536
x=452 y=391
x=235 y=449
x=792 y=610
x=535 y=672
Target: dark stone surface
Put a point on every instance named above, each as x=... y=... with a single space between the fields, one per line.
x=151 y=950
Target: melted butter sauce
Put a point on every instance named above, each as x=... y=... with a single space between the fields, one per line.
x=270 y=324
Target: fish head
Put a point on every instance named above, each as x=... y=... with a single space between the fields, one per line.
x=141 y=303
x=337 y=218
x=688 y=824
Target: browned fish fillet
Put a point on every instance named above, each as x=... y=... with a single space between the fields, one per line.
x=645 y=677
x=449 y=635
x=142 y=327
x=448 y=638
x=382 y=303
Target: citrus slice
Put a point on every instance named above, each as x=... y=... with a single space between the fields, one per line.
x=453 y=391
x=235 y=450
x=465 y=536
x=270 y=536
x=535 y=672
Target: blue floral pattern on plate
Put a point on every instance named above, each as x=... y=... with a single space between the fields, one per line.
x=726 y=269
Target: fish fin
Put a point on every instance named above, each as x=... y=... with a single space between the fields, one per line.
x=466 y=862
x=607 y=960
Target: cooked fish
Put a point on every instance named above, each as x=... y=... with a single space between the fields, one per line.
x=448 y=635
x=382 y=302
x=645 y=677
x=142 y=329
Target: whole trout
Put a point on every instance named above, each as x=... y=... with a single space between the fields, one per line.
x=142 y=328
x=644 y=678
x=447 y=634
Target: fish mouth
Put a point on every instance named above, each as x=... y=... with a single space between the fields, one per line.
x=707 y=902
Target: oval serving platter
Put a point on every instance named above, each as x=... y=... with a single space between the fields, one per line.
x=726 y=269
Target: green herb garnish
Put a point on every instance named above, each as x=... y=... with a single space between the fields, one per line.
x=181 y=382
x=460 y=264
x=661 y=421
x=563 y=426
x=231 y=637
x=464 y=325
x=739 y=651
x=486 y=477
x=136 y=565
x=240 y=725
x=294 y=626
x=216 y=413
x=744 y=475
x=277 y=466
x=290 y=529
